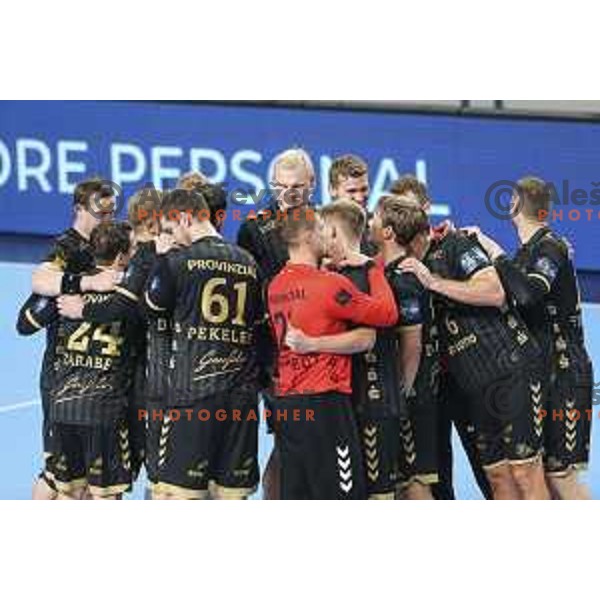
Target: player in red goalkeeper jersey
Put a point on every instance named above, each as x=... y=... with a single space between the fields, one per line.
x=320 y=455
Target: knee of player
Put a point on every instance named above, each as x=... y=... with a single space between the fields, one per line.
x=525 y=473
x=499 y=474
x=42 y=490
x=72 y=494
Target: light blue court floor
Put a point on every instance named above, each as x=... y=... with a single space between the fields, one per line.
x=20 y=412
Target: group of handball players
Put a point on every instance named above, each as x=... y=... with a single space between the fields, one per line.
x=360 y=338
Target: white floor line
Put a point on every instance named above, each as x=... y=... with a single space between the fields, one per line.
x=18 y=406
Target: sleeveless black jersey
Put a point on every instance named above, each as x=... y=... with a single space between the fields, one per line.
x=480 y=344
x=545 y=290
x=212 y=292
x=154 y=342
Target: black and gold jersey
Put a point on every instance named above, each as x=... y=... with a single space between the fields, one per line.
x=377 y=380
x=126 y=303
x=412 y=301
x=416 y=307
x=211 y=292
x=359 y=276
x=159 y=341
x=480 y=344
x=92 y=367
x=70 y=253
x=542 y=282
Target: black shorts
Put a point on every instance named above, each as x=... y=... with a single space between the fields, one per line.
x=567 y=424
x=154 y=420
x=94 y=456
x=214 y=442
x=418 y=443
x=137 y=437
x=47 y=439
x=320 y=451
x=380 y=443
x=507 y=417
x=267 y=400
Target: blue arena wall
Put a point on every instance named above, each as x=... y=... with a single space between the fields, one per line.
x=46 y=147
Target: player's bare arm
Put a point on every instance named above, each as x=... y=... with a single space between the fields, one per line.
x=484 y=288
x=47 y=280
x=355 y=341
x=71 y=306
x=410 y=353
x=492 y=248
x=377 y=309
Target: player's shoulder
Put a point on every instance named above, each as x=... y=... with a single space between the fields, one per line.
x=469 y=252
x=553 y=244
x=447 y=244
x=401 y=280
x=70 y=250
x=65 y=238
x=146 y=250
x=176 y=254
x=144 y=255
x=281 y=281
x=220 y=248
x=332 y=284
x=241 y=254
x=64 y=243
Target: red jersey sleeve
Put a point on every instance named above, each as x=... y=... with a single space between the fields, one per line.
x=346 y=302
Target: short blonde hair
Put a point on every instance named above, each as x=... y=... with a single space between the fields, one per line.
x=348 y=214
x=536 y=196
x=190 y=180
x=291 y=158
